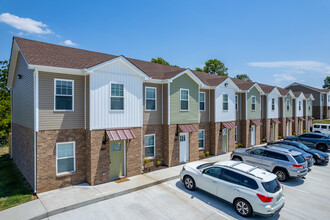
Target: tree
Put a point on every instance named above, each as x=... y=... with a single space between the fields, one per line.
x=199 y=69
x=214 y=66
x=327 y=83
x=5 y=116
x=160 y=61
x=243 y=77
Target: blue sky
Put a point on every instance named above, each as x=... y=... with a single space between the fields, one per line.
x=274 y=42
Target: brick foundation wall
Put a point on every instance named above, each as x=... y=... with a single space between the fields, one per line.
x=265 y=129
x=214 y=137
x=277 y=128
x=207 y=139
x=134 y=154
x=159 y=136
x=47 y=179
x=23 y=151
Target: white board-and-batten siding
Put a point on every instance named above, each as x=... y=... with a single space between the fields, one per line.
x=101 y=117
x=220 y=114
x=270 y=112
x=301 y=112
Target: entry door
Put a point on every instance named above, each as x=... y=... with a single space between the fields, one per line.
x=184 y=147
x=308 y=125
x=272 y=131
x=225 y=140
x=253 y=135
x=287 y=128
x=117 y=159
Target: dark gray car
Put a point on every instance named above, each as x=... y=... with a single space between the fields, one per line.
x=316 y=140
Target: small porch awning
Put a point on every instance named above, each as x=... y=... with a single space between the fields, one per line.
x=228 y=125
x=256 y=121
x=120 y=134
x=311 y=117
x=276 y=120
x=301 y=118
x=187 y=128
x=290 y=119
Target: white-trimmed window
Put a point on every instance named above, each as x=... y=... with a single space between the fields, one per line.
x=225 y=102
x=253 y=103
x=63 y=95
x=235 y=133
x=309 y=105
x=299 y=105
x=202 y=101
x=65 y=157
x=288 y=104
x=117 y=97
x=236 y=102
x=201 y=138
x=149 y=145
x=151 y=98
x=273 y=104
x=184 y=99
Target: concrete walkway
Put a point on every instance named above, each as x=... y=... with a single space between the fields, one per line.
x=73 y=197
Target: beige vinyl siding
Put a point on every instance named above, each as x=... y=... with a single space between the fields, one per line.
x=204 y=115
x=23 y=89
x=153 y=117
x=165 y=104
x=50 y=119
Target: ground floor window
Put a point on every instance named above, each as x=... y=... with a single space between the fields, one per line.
x=235 y=133
x=201 y=138
x=65 y=157
x=149 y=145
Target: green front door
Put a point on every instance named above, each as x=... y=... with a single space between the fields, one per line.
x=224 y=140
x=117 y=159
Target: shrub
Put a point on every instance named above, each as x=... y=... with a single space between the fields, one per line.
x=207 y=153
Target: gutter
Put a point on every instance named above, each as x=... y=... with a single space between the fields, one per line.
x=36 y=125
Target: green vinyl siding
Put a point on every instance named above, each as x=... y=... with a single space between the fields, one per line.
x=257 y=113
x=288 y=113
x=177 y=116
x=309 y=110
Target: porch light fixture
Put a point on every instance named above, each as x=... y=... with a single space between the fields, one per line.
x=19 y=76
x=226 y=84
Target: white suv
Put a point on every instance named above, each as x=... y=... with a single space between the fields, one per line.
x=321 y=128
x=250 y=189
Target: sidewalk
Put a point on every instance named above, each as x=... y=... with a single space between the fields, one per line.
x=69 y=198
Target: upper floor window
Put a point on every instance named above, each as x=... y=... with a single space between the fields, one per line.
x=151 y=98
x=328 y=98
x=117 y=97
x=65 y=157
x=64 y=89
x=309 y=105
x=288 y=105
x=184 y=99
x=201 y=138
x=225 y=102
x=253 y=103
x=236 y=102
x=273 y=104
x=202 y=101
x=299 y=105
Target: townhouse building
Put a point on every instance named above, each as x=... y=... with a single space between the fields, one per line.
x=248 y=114
x=321 y=103
x=270 y=112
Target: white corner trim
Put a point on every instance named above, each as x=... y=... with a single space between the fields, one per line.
x=36 y=124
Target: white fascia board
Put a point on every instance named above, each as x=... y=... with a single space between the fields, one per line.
x=258 y=88
x=291 y=94
x=156 y=81
x=124 y=60
x=191 y=74
x=231 y=83
x=52 y=69
x=13 y=60
x=312 y=97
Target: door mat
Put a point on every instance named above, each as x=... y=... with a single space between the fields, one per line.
x=124 y=179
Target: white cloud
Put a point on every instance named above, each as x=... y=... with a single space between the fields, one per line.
x=295 y=66
x=69 y=43
x=283 y=77
x=25 y=24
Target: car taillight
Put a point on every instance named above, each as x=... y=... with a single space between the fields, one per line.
x=306 y=159
x=264 y=198
x=297 y=165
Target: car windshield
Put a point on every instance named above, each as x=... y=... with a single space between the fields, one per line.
x=299 y=158
x=303 y=146
x=271 y=186
x=204 y=165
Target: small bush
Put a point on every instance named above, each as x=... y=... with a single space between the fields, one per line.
x=207 y=153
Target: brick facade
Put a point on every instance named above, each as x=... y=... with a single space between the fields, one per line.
x=159 y=141
x=295 y=127
x=277 y=127
x=207 y=138
x=23 y=151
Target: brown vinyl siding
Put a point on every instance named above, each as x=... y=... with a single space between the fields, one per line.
x=240 y=113
x=153 y=117
x=204 y=115
x=212 y=108
x=298 y=88
x=50 y=119
x=23 y=97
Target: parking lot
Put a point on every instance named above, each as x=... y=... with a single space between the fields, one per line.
x=305 y=199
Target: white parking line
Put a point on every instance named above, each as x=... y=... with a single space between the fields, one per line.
x=299 y=190
x=313 y=178
x=207 y=206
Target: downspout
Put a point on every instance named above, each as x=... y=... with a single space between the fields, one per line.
x=36 y=124
x=11 y=123
x=85 y=101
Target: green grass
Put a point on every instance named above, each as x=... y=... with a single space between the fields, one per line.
x=14 y=189
x=321 y=121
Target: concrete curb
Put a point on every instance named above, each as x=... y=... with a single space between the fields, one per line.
x=102 y=198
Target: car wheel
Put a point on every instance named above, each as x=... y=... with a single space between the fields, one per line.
x=322 y=147
x=189 y=183
x=243 y=207
x=281 y=174
x=237 y=159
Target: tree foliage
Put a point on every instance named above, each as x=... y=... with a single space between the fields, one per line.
x=327 y=83
x=214 y=66
x=160 y=61
x=243 y=77
x=5 y=116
